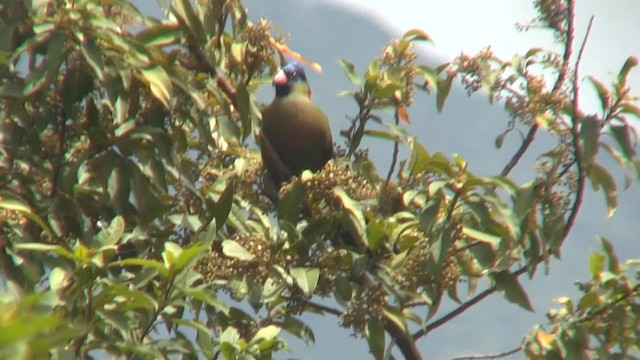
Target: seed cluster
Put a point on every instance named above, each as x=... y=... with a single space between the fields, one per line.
x=218 y=266
x=368 y=304
x=321 y=200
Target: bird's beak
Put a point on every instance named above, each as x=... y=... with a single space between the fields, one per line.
x=280 y=78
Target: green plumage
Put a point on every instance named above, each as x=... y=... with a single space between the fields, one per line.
x=295 y=133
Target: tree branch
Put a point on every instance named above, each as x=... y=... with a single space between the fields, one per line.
x=564 y=71
x=491 y=356
x=575 y=132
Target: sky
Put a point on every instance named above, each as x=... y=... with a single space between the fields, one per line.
x=469 y=25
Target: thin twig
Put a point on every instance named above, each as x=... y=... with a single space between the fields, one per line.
x=462 y=308
x=577 y=147
x=491 y=356
x=324 y=308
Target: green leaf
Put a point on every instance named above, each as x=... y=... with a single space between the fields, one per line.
x=162 y=270
x=59 y=278
x=343 y=290
x=47 y=248
x=186 y=16
x=492 y=240
x=298 y=329
x=430 y=76
x=603 y=93
x=613 y=265
x=306 y=279
x=376 y=233
x=189 y=255
x=525 y=199
x=265 y=334
x=355 y=217
x=243 y=99
x=508 y=285
x=159 y=35
x=417 y=35
x=500 y=139
x=631 y=62
x=112 y=234
x=600 y=177
x=419 y=157
x=596 y=264
x=350 y=71
x=290 y=204
x=622 y=135
x=444 y=86
x=589 y=138
x=375 y=337
x=224 y=204
x=233 y=249
x=13 y=202
x=159 y=83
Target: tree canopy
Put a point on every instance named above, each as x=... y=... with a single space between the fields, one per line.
x=135 y=219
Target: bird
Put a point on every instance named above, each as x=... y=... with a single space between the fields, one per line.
x=295 y=134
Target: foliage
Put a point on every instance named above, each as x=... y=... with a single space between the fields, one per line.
x=134 y=220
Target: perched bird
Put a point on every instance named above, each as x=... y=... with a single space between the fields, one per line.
x=295 y=133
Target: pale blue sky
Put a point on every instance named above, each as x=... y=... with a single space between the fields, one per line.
x=470 y=25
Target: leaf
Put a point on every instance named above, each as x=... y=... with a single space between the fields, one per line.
x=444 y=86
x=298 y=329
x=13 y=202
x=508 y=285
x=376 y=233
x=47 y=248
x=59 y=278
x=189 y=255
x=159 y=82
x=233 y=249
x=500 y=139
x=403 y=114
x=417 y=35
x=600 y=177
x=111 y=234
x=306 y=279
x=596 y=264
x=525 y=199
x=223 y=205
x=162 y=270
x=186 y=16
x=375 y=334
x=159 y=35
x=589 y=137
x=291 y=203
x=265 y=334
x=343 y=290
x=613 y=265
x=490 y=239
x=350 y=72
x=430 y=76
x=243 y=99
x=603 y=93
x=355 y=216
x=631 y=62
x=622 y=135
x=419 y=157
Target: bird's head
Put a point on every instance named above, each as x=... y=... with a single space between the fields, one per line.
x=291 y=78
